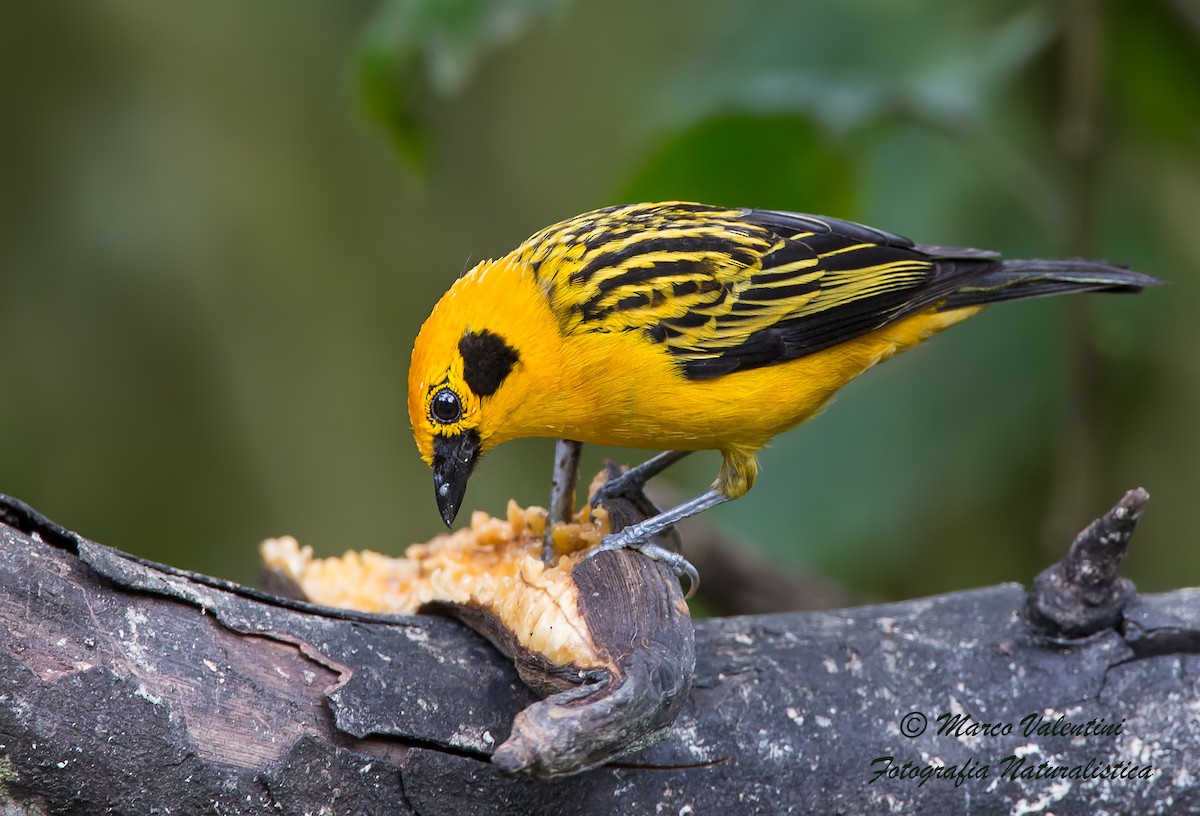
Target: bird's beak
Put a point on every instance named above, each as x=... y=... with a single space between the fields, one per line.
x=454 y=458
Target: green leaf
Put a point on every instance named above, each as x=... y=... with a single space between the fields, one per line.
x=866 y=62
x=1154 y=70
x=774 y=161
x=416 y=48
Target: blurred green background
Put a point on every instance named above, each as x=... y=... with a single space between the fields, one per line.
x=222 y=223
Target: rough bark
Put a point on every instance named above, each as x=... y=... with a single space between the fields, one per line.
x=134 y=688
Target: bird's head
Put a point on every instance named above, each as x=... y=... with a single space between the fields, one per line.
x=470 y=372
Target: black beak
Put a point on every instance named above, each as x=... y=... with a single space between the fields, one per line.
x=454 y=458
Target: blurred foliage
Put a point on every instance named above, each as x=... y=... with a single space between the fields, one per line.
x=411 y=45
x=223 y=224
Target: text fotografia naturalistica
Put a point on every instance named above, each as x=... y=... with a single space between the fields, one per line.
x=1011 y=768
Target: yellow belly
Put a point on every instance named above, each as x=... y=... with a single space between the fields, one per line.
x=644 y=402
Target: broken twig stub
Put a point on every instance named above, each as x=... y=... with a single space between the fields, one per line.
x=1084 y=592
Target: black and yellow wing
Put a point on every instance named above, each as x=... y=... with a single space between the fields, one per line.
x=730 y=289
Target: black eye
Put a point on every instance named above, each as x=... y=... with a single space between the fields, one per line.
x=445 y=407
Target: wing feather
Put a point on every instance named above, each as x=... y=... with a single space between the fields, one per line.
x=724 y=289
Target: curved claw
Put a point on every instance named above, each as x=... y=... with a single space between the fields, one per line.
x=627 y=485
x=631 y=483
x=680 y=566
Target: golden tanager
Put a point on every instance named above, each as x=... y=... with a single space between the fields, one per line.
x=678 y=326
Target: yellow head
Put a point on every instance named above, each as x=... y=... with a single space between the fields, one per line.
x=476 y=366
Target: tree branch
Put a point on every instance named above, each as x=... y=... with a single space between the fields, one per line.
x=130 y=687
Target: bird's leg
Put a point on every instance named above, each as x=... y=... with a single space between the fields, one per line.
x=739 y=468
x=630 y=483
x=562 y=491
x=638 y=536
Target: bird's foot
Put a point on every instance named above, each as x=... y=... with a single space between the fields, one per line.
x=632 y=483
x=629 y=485
x=626 y=540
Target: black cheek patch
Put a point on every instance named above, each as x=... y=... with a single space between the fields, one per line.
x=487 y=360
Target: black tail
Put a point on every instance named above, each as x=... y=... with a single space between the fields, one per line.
x=1011 y=280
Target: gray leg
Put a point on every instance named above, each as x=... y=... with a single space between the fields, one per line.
x=637 y=536
x=562 y=490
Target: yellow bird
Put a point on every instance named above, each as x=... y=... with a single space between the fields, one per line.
x=680 y=327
